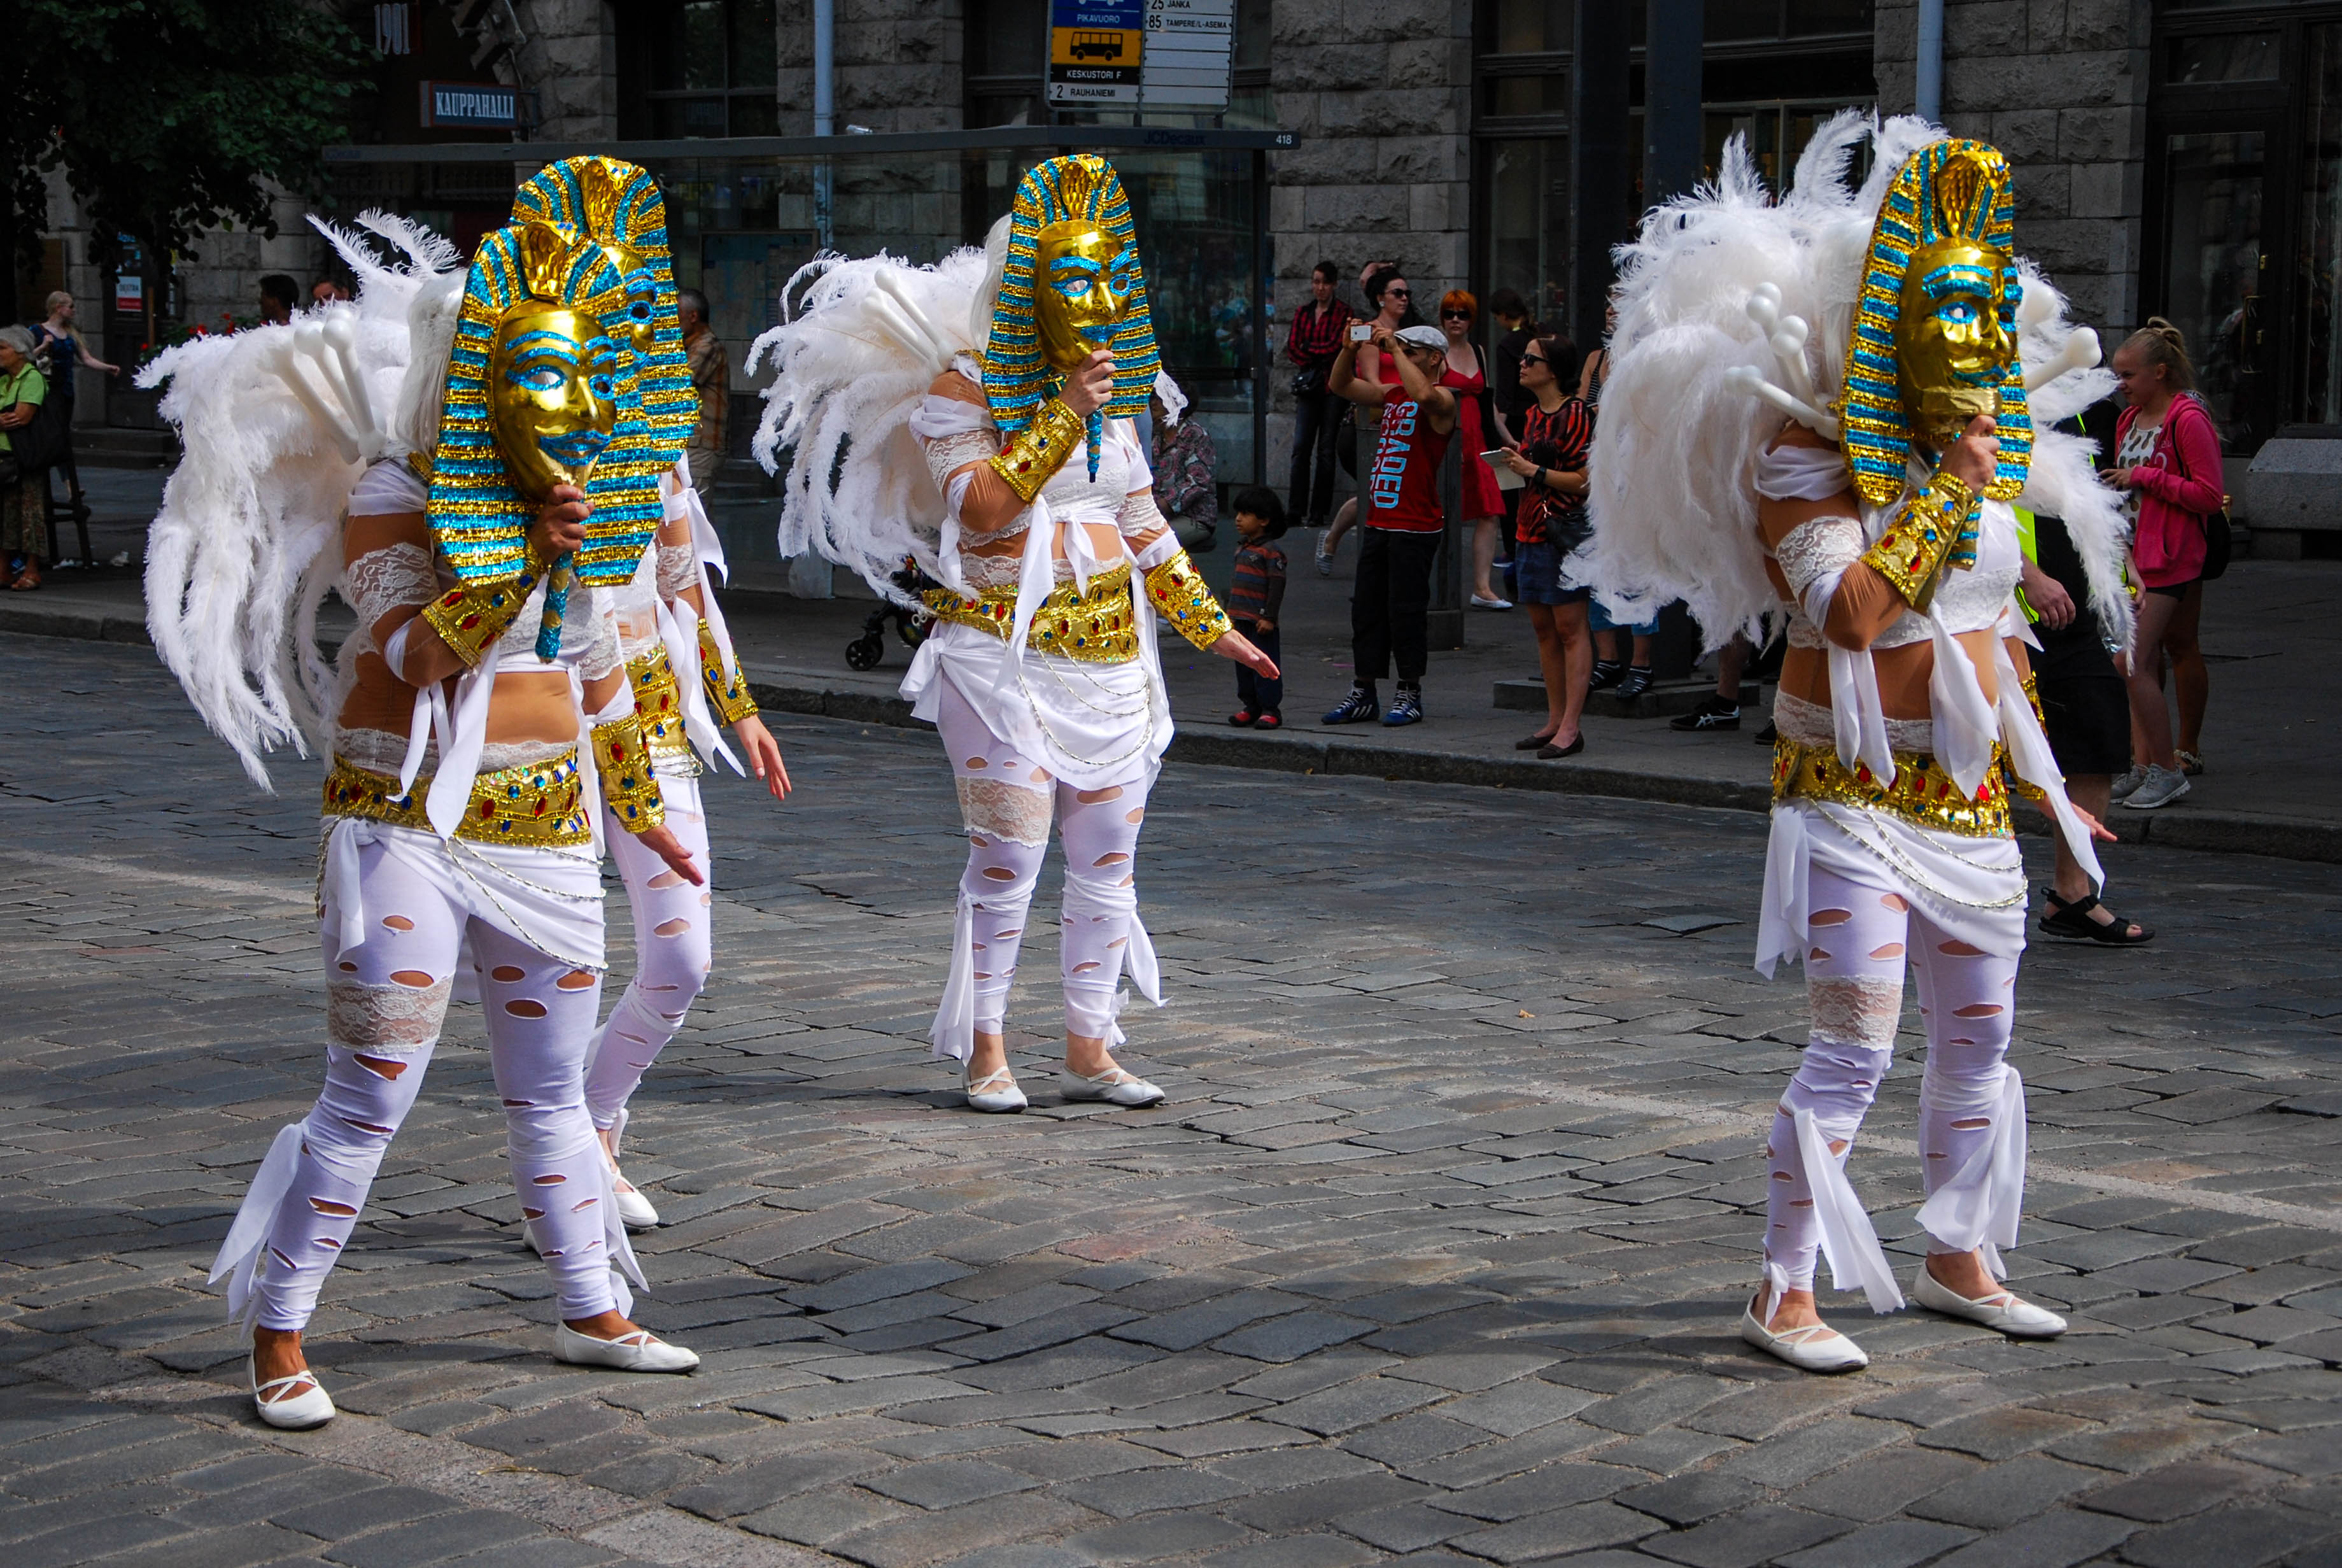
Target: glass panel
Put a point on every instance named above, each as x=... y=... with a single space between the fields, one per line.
x=699 y=39
x=1743 y=19
x=2212 y=197
x=2319 y=288
x=1542 y=95
x=1252 y=35
x=755 y=114
x=2223 y=58
x=1017 y=109
x=1761 y=124
x=672 y=117
x=1534 y=26
x=756 y=61
x=1007 y=37
x=1528 y=222
x=1809 y=16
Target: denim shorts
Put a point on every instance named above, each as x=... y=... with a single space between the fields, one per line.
x=1601 y=622
x=1536 y=566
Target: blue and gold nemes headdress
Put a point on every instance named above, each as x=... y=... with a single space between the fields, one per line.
x=1015 y=376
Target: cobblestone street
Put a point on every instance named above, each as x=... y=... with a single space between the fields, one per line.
x=1436 y=1253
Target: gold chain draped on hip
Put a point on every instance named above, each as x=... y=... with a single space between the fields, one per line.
x=1923 y=793
x=541 y=804
x=1098 y=628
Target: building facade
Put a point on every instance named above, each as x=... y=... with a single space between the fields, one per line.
x=2166 y=151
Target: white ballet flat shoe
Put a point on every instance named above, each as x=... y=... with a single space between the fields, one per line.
x=2001 y=1311
x=1114 y=1085
x=1812 y=1348
x=638 y=1351
x=635 y=1211
x=996 y=1091
x=313 y=1406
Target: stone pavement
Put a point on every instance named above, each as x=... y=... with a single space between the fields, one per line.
x=1434 y=1255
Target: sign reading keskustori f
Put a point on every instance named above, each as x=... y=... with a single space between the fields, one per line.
x=1094 y=48
x=1188 y=46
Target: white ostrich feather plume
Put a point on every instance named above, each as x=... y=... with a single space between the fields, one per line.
x=1672 y=497
x=867 y=338
x=276 y=424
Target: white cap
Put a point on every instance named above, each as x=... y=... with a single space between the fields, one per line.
x=1423 y=337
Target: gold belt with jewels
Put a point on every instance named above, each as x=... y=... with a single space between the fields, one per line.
x=1098 y=628
x=658 y=703
x=541 y=804
x=1923 y=793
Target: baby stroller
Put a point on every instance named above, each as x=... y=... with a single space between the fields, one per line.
x=866 y=651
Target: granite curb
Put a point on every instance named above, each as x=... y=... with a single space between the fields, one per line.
x=2231 y=833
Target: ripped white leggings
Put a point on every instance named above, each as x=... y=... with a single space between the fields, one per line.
x=672 y=951
x=1860 y=938
x=1006 y=801
x=386 y=1001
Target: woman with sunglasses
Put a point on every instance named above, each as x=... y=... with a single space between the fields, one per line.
x=1482 y=430
x=1387 y=290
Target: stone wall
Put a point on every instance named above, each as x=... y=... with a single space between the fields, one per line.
x=2059 y=86
x=569 y=57
x=1379 y=92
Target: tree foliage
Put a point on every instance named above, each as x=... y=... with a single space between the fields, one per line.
x=171 y=116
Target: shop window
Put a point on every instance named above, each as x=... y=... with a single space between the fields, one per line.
x=1809 y=17
x=690 y=68
x=1532 y=27
x=1546 y=93
x=1528 y=221
x=2318 y=288
x=2212 y=272
x=2205 y=58
x=1007 y=47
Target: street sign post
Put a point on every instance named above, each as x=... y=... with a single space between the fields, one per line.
x=1093 y=51
x=1189 y=44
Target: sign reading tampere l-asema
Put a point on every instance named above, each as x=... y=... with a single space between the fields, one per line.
x=488 y=106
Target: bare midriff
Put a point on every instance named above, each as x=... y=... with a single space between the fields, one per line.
x=988 y=505
x=524 y=706
x=1864 y=605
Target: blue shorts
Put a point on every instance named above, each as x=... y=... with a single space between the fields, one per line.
x=1536 y=567
x=1601 y=622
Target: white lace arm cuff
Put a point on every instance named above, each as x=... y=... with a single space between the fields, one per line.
x=1814 y=555
x=601 y=657
x=1145 y=529
x=394 y=577
x=678 y=568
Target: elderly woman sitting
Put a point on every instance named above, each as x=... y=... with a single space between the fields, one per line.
x=1183 y=461
x=24 y=499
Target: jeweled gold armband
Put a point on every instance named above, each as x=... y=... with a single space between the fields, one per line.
x=1035 y=453
x=629 y=787
x=727 y=693
x=1179 y=593
x=1936 y=527
x=471 y=616
x=2031 y=682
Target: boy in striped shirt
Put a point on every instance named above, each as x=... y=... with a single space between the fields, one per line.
x=1256 y=599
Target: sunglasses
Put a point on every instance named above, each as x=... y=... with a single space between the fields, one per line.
x=1533 y=359
x=1455 y=315
x=1401 y=293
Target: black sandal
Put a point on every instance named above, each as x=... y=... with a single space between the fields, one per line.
x=2073 y=921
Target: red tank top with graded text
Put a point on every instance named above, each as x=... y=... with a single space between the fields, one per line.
x=1402 y=485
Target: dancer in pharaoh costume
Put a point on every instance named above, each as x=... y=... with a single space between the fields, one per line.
x=1867 y=492
x=678 y=653
x=964 y=432
x=479 y=721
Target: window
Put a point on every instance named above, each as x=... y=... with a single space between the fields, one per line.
x=700 y=68
x=1007 y=50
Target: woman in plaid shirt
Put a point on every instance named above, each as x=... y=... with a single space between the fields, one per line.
x=1315 y=340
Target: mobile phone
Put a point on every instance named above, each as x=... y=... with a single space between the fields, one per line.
x=1362 y=333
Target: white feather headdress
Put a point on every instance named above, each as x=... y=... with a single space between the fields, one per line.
x=276 y=424
x=1726 y=293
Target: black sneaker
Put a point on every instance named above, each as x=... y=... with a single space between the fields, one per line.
x=1607 y=673
x=1406 y=708
x=1357 y=708
x=1636 y=682
x=1715 y=714
x=1768 y=735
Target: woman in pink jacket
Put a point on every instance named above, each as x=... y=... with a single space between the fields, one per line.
x=2167 y=454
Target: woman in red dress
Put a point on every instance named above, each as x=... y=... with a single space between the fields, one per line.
x=1482 y=429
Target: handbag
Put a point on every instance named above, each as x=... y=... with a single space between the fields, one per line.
x=1309 y=381
x=38 y=446
x=2219 y=532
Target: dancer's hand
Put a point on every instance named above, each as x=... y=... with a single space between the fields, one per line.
x=764 y=755
x=560 y=527
x=1088 y=388
x=1237 y=647
x=1975 y=458
x=661 y=841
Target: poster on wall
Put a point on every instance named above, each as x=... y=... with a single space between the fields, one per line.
x=1093 y=51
